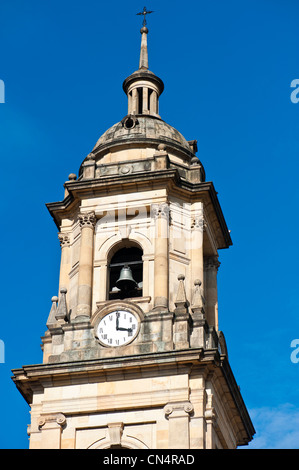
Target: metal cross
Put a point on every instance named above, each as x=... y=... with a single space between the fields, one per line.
x=144 y=13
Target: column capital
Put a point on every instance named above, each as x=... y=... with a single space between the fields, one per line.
x=211 y=262
x=64 y=239
x=160 y=210
x=199 y=222
x=178 y=409
x=87 y=219
x=53 y=420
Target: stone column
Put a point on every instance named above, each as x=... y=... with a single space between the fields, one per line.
x=178 y=416
x=211 y=307
x=145 y=100
x=87 y=223
x=154 y=103
x=161 y=258
x=51 y=427
x=65 y=266
x=129 y=103
x=135 y=101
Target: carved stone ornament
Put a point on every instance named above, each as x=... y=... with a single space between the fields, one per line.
x=210 y=414
x=129 y=121
x=115 y=433
x=199 y=222
x=87 y=219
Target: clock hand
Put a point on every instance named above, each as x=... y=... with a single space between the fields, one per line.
x=124 y=329
x=117 y=320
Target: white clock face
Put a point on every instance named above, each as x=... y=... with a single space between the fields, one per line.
x=117 y=328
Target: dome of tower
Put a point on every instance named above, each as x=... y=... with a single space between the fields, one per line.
x=142 y=129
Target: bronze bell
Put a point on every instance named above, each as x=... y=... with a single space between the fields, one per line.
x=125 y=280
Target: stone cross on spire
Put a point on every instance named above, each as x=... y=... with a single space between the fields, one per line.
x=144 y=13
x=143 y=62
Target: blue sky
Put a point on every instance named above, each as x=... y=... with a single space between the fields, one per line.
x=227 y=69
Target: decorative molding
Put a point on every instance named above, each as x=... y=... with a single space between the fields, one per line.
x=210 y=415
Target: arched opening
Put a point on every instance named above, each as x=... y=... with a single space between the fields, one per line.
x=125 y=273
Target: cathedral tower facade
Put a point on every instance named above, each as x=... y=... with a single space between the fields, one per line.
x=132 y=355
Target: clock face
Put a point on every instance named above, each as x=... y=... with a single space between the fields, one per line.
x=117 y=328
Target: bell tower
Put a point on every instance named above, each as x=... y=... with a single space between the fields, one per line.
x=132 y=353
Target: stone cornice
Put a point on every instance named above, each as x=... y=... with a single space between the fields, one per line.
x=209 y=362
x=169 y=178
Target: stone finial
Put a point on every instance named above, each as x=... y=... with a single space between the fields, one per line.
x=52 y=315
x=181 y=301
x=193 y=146
x=198 y=301
x=72 y=177
x=62 y=313
x=162 y=148
x=181 y=294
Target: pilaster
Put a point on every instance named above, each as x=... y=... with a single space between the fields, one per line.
x=87 y=222
x=178 y=415
x=51 y=426
x=211 y=265
x=65 y=263
x=160 y=212
x=197 y=229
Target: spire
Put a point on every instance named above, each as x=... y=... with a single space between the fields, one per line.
x=143 y=62
x=143 y=87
